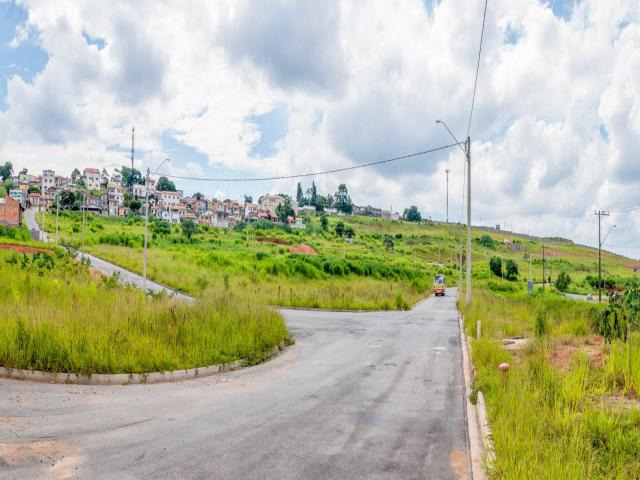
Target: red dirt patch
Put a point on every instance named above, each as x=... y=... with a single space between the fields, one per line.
x=302 y=248
x=564 y=351
x=23 y=249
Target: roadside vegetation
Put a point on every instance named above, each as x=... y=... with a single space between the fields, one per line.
x=61 y=316
x=338 y=263
x=568 y=406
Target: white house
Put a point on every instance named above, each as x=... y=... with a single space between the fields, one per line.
x=92 y=178
x=48 y=180
x=270 y=202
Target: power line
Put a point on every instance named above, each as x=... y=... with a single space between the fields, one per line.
x=475 y=84
x=313 y=174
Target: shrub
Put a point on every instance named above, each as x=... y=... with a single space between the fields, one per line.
x=495 y=265
x=563 y=281
x=540 y=326
x=486 y=241
x=511 y=268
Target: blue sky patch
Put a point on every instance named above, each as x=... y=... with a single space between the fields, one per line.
x=512 y=35
x=97 y=41
x=562 y=8
x=604 y=134
x=25 y=60
x=273 y=127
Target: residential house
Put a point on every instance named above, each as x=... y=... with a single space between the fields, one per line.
x=167 y=199
x=199 y=206
x=270 y=202
x=17 y=195
x=93 y=203
x=91 y=178
x=48 y=180
x=10 y=212
x=217 y=218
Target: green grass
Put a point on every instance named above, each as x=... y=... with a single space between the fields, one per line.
x=405 y=257
x=364 y=274
x=63 y=318
x=548 y=421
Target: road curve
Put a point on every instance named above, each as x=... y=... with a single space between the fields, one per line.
x=359 y=396
x=108 y=268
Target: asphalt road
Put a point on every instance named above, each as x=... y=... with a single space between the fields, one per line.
x=107 y=268
x=359 y=396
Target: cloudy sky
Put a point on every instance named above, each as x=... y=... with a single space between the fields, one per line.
x=244 y=88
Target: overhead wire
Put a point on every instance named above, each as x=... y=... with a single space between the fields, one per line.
x=311 y=174
x=475 y=84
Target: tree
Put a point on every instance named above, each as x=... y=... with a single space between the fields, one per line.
x=34 y=189
x=8 y=184
x=324 y=222
x=495 y=265
x=486 y=241
x=6 y=171
x=189 y=228
x=285 y=210
x=75 y=175
x=104 y=176
x=198 y=196
x=299 y=195
x=164 y=184
x=135 y=205
x=412 y=214
x=312 y=195
x=563 y=281
x=70 y=200
x=339 y=229
x=130 y=177
x=343 y=201
x=248 y=199
x=24 y=171
x=511 y=268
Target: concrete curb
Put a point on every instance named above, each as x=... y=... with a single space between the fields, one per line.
x=478 y=430
x=128 y=378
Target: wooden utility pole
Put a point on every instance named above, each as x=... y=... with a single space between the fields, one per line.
x=447 y=172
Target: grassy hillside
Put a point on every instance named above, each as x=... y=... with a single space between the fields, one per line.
x=387 y=264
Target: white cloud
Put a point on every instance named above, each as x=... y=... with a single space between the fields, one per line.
x=555 y=130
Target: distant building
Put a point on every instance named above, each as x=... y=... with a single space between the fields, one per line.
x=48 y=180
x=10 y=212
x=92 y=178
x=17 y=195
x=270 y=202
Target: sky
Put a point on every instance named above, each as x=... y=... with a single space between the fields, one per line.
x=244 y=88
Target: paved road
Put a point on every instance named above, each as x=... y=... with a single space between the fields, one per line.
x=359 y=396
x=108 y=268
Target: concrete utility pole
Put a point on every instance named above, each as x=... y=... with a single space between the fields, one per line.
x=146 y=225
x=57 y=214
x=447 y=172
x=133 y=132
x=467 y=152
x=84 y=215
x=468 y=297
x=600 y=214
x=543 y=272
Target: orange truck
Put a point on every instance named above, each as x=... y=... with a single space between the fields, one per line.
x=439 y=285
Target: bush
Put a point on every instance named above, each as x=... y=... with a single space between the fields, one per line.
x=486 y=241
x=540 y=326
x=495 y=265
x=512 y=270
x=563 y=281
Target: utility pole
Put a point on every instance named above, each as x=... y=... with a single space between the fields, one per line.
x=84 y=215
x=468 y=296
x=543 y=272
x=600 y=214
x=57 y=214
x=133 y=132
x=146 y=227
x=447 y=172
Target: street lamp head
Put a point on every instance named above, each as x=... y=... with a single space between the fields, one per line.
x=438 y=121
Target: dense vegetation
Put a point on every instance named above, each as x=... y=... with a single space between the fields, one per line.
x=60 y=316
x=568 y=406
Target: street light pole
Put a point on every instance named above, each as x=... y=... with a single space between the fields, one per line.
x=467 y=153
x=468 y=297
x=57 y=214
x=146 y=225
